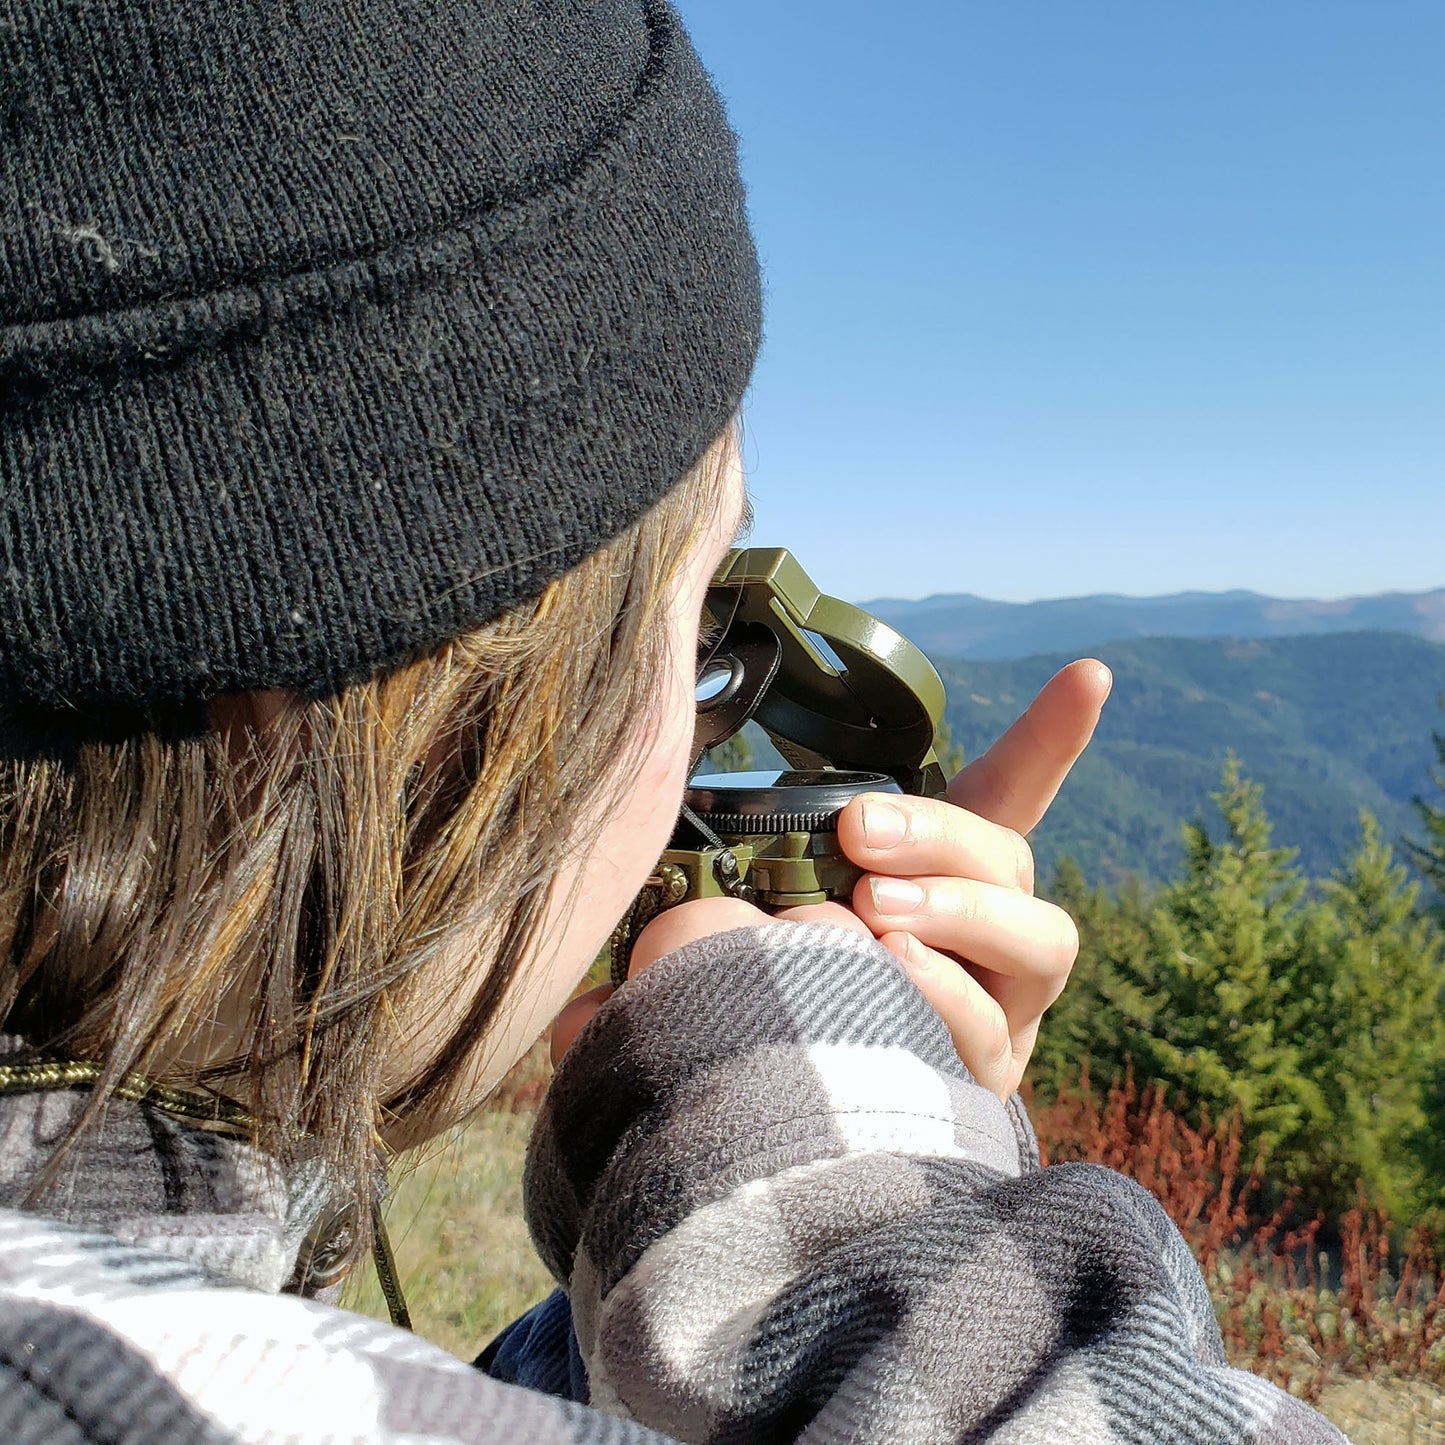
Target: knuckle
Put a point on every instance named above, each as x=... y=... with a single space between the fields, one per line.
x=1000 y=1045
x=996 y=1052
x=1068 y=937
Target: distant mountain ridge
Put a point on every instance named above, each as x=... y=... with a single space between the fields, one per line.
x=962 y=625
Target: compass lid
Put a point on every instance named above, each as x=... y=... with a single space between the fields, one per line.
x=848 y=691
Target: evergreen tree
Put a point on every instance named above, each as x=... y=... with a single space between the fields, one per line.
x=1093 y=1023
x=1313 y=1010
x=1430 y=855
x=1370 y=985
x=1221 y=1006
x=1428 y=1148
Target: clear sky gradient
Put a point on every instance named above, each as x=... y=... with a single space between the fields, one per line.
x=1109 y=297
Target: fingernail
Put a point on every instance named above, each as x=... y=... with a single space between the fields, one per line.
x=895 y=895
x=883 y=825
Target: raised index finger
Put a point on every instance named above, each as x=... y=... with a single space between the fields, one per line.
x=1014 y=782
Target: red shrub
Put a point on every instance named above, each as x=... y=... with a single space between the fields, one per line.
x=1193 y=1172
x=1286 y=1309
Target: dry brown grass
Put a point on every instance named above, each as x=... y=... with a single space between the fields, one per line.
x=1387 y=1412
x=462 y=1251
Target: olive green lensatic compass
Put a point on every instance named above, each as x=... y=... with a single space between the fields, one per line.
x=850 y=704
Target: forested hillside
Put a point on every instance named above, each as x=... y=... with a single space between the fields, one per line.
x=1326 y=724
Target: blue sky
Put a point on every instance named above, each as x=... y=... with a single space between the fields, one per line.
x=1069 y=298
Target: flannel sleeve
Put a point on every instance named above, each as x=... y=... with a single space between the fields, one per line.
x=782 y=1210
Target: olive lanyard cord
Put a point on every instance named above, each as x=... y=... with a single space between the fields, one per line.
x=23 y=1078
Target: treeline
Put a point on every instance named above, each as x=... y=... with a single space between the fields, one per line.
x=1308 y=1006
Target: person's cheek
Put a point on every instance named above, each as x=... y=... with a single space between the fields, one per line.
x=664 y=774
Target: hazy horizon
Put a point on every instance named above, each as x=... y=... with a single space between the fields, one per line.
x=1181 y=593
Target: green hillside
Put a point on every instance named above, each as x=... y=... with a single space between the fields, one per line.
x=1328 y=724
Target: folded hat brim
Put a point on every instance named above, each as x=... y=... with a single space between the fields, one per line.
x=300 y=480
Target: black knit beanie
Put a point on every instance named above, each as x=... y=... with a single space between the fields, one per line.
x=332 y=328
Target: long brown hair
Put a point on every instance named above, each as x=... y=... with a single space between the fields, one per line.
x=286 y=884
